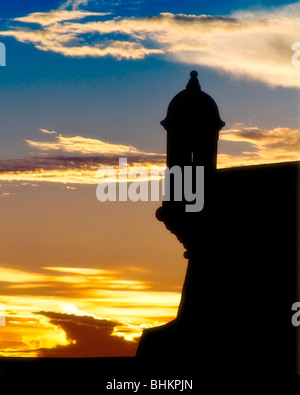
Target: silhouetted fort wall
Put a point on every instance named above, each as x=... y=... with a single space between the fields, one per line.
x=242 y=277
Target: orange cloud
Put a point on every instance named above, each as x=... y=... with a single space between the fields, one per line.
x=265 y=146
x=76 y=169
x=81 y=170
x=262 y=146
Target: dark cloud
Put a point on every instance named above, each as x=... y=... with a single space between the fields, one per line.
x=201 y=18
x=93 y=337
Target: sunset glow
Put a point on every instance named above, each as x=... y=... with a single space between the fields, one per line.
x=85 y=84
x=99 y=292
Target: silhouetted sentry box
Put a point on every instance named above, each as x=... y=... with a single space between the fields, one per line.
x=2 y=315
x=2 y=55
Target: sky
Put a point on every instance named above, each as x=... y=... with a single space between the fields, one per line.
x=85 y=83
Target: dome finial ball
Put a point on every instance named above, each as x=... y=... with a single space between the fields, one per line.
x=194 y=74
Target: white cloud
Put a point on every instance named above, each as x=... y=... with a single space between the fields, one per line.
x=86 y=145
x=55 y=16
x=47 y=131
x=247 y=44
x=76 y=162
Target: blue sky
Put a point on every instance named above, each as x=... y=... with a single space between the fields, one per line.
x=122 y=100
x=140 y=8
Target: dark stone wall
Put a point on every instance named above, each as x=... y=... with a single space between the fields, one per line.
x=242 y=277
